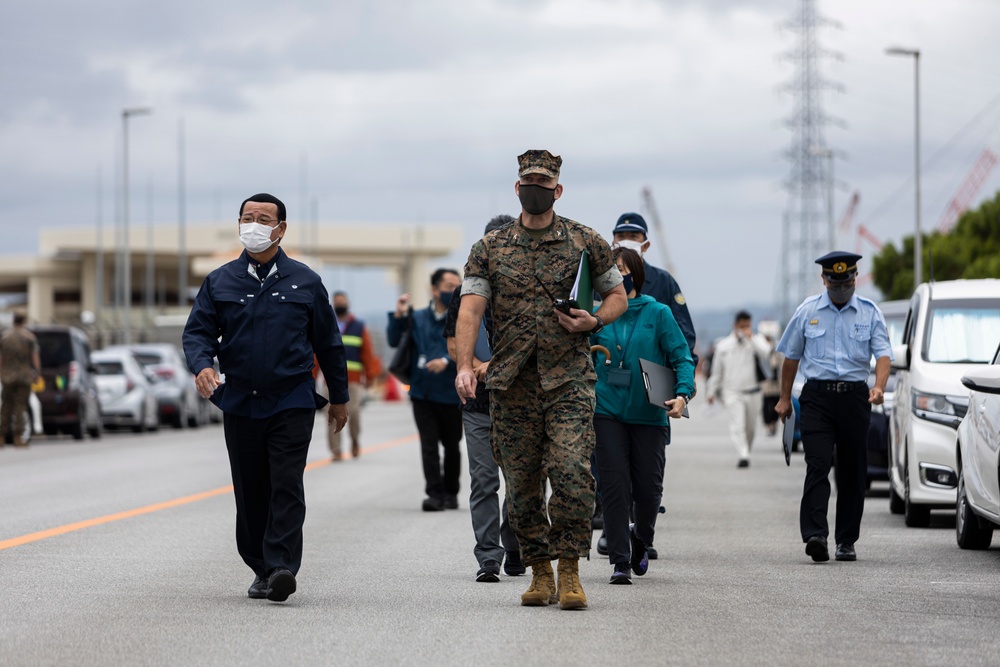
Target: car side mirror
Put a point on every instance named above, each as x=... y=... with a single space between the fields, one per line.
x=986 y=380
x=901 y=357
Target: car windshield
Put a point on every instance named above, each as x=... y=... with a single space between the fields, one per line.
x=55 y=348
x=109 y=368
x=962 y=331
x=148 y=358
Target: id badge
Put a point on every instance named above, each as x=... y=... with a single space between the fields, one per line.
x=619 y=377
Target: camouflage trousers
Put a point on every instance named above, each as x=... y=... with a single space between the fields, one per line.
x=13 y=409
x=546 y=435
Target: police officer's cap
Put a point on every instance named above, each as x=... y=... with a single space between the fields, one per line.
x=631 y=222
x=839 y=265
x=538 y=162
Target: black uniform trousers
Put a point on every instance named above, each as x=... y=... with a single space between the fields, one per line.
x=439 y=423
x=268 y=458
x=630 y=461
x=834 y=422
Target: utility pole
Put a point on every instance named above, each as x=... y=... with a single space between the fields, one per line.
x=806 y=215
x=126 y=248
x=182 y=269
x=99 y=261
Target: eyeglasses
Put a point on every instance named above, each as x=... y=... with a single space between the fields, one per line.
x=270 y=222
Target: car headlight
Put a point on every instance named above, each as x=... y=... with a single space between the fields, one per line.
x=935 y=408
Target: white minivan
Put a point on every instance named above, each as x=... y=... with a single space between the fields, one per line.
x=951 y=328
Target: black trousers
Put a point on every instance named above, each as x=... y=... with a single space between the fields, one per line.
x=834 y=422
x=439 y=423
x=630 y=460
x=268 y=459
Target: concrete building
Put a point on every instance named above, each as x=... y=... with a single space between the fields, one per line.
x=64 y=284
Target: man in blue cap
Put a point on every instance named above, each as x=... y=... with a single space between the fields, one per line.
x=632 y=232
x=831 y=339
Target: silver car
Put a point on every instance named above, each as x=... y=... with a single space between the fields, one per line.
x=125 y=390
x=977 y=511
x=179 y=401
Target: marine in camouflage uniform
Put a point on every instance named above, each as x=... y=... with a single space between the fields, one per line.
x=541 y=375
x=20 y=364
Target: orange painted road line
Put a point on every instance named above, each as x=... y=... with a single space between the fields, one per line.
x=176 y=502
x=89 y=523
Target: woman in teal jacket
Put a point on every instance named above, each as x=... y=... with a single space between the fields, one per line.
x=632 y=435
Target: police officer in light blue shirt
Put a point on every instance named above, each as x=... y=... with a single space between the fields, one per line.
x=831 y=339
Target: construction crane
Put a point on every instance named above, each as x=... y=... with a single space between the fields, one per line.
x=874 y=242
x=660 y=235
x=852 y=206
x=959 y=204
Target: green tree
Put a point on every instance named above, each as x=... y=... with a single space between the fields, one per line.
x=970 y=250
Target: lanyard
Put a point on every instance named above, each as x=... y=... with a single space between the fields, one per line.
x=618 y=343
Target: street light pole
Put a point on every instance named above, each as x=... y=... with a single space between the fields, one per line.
x=917 y=237
x=126 y=250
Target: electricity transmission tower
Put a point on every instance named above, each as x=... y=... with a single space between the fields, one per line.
x=807 y=228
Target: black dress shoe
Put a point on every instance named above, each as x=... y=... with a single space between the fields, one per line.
x=846 y=552
x=744 y=463
x=651 y=552
x=433 y=505
x=602 y=545
x=258 y=589
x=816 y=548
x=513 y=565
x=280 y=585
x=451 y=502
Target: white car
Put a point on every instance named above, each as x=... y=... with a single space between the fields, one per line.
x=126 y=391
x=977 y=511
x=179 y=401
x=951 y=330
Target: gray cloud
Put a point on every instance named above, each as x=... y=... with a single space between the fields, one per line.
x=415 y=111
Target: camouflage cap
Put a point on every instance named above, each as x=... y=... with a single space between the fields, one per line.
x=538 y=162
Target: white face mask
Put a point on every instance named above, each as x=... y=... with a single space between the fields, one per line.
x=631 y=245
x=256 y=237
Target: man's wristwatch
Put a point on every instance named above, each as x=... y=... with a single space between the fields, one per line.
x=687 y=399
x=600 y=325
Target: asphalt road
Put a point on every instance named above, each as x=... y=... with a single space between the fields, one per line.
x=139 y=567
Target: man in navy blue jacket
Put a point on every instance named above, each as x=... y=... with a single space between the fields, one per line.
x=436 y=408
x=264 y=315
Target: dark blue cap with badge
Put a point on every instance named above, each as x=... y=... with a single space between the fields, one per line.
x=839 y=265
x=631 y=222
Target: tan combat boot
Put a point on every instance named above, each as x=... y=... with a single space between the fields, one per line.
x=571 y=595
x=542 y=590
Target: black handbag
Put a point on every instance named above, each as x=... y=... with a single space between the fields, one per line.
x=402 y=358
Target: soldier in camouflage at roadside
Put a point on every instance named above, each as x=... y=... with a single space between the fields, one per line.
x=541 y=375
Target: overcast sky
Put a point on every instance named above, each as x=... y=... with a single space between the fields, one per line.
x=415 y=111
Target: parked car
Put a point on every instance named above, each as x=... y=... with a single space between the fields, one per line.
x=951 y=329
x=977 y=511
x=69 y=395
x=894 y=313
x=179 y=402
x=126 y=391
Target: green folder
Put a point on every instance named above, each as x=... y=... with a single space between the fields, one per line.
x=583 y=289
